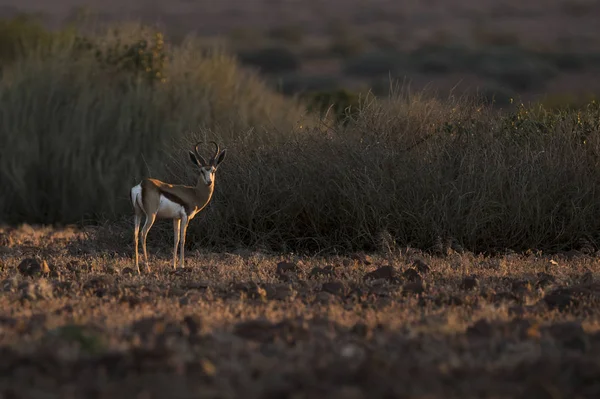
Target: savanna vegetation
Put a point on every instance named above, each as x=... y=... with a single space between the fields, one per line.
x=357 y=245
x=86 y=116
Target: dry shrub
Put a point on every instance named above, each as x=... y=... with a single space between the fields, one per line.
x=75 y=136
x=74 y=139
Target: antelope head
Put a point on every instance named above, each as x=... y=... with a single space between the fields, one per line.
x=207 y=169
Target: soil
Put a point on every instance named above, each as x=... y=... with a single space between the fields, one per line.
x=76 y=320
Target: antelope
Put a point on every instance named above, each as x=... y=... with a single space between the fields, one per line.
x=157 y=199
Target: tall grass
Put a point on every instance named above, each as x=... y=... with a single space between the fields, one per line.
x=405 y=170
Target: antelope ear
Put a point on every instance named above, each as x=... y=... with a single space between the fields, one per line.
x=220 y=158
x=195 y=160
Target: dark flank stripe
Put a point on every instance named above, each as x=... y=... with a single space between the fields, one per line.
x=176 y=199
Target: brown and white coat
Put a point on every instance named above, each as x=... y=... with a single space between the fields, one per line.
x=157 y=199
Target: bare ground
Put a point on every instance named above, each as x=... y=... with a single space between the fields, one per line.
x=77 y=321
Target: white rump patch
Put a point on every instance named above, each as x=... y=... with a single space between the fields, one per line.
x=136 y=196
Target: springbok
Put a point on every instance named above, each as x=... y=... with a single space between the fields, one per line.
x=157 y=199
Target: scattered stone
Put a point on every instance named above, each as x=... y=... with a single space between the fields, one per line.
x=336 y=288
x=327 y=271
x=385 y=272
x=286 y=267
x=544 y=280
x=31 y=267
x=411 y=275
x=363 y=258
x=504 y=296
x=325 y=297
x=559 y=299
x=469 y=283
x=421 y=266
x=416 y=287
x=279 y=292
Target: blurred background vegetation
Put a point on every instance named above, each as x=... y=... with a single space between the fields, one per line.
x=350 y=126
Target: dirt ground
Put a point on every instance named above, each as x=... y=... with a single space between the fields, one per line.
x=77 y=321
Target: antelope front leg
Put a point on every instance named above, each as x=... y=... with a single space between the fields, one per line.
x=136 y=231
x=176 y=232
x=184 y=221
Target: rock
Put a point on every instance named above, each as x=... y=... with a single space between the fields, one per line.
x=252 y=290
x=411 y=275
x=469 y=283
x=560 y=299
x=421 y=266
x=31 y=267
x=448 y=300
x=286 y=267
x=504 y=296
x=336 y=288
x=327 y=271
x=385 y=272
x=325 y=297
x=416 y=287
x=279 y=292
x=544 y=280
x=363 y=258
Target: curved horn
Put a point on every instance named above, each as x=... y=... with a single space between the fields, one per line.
x=196 y=147
x=216 y=149
x=200 y=157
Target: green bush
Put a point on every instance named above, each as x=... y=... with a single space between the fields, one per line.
x=139 y=59
x=24 y=34
x=75 y=137
x=342 y=104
